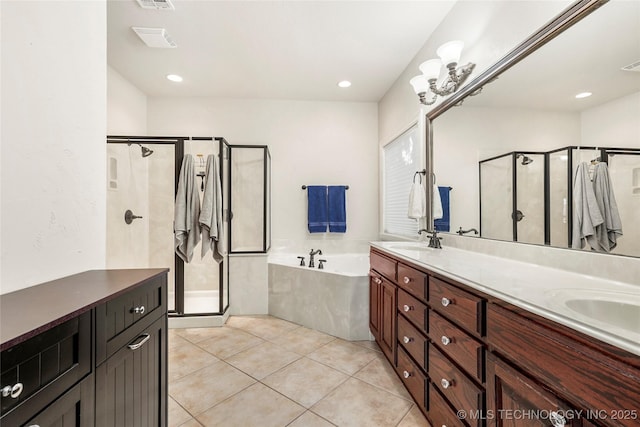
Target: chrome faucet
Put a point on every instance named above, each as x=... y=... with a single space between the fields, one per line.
x=311 y=255
x=461 y=231
x=434 y=240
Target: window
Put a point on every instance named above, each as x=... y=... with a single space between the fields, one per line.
x=402 y=158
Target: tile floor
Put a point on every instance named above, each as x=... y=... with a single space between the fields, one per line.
x=267 y=372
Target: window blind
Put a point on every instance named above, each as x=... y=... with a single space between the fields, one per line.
x=401 y=159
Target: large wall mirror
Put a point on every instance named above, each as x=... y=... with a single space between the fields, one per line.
x=510 y=153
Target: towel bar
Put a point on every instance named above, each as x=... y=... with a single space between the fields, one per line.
x=304 y=187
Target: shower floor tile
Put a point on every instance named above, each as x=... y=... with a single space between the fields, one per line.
x=263 y=371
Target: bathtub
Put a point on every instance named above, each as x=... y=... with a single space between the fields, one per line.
x=334 y=300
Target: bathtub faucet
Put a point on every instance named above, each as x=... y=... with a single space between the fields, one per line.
x=311 y=255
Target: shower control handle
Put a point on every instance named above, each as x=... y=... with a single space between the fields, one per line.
x=129 y=216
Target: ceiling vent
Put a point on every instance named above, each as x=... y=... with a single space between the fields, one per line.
x=156 y=4
x=632 y=67
x=155 y=37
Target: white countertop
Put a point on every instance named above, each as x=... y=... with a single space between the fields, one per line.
x=538 y=289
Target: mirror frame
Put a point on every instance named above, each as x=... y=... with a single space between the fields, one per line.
x=567 y=18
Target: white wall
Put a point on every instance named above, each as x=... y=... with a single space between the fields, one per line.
x=310 y=143
x=53 y=150
x=614 y=124
x=489 y=30
x=126 y=106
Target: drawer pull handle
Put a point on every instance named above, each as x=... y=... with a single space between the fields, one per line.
x=13 y=391
x=138 y=310
x=445 y=383
x=407 y=307
x=406 y=280
x=140 y=342
x=445 y=340
x=407 y=340
x=406 y=374
x=557 y=420
x=446 y=301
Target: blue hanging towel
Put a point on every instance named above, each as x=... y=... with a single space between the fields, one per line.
x=443 y=224
x=337 y=209
x=317 y=208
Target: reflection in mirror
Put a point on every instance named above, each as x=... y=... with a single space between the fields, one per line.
x=511 y=152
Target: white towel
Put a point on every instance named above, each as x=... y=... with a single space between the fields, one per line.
x=186 y=227
x=586 y=213
x=417 y=201
x=211 y=214
x=438 y=212
x=607 y=232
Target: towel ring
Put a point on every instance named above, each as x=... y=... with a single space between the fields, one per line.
x=419 y=174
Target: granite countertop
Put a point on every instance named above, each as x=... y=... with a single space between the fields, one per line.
x=31 y=311
x=538 y=289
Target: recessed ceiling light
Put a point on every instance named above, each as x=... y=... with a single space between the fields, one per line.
x=174 y=78
x=583 y=95
x=344 y=83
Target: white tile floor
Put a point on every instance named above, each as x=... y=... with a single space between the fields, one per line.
x=267 y=372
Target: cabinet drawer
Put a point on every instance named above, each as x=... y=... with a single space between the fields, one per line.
x=412 y=341
x=574 y=371
x=413 y=281
x=457 y=305
x=454 y=384
x=115 y=320
x=413 y=310
x=43 y=367
x=383 y=265
x=458 y=345
x=440 y=414
x=413 y=378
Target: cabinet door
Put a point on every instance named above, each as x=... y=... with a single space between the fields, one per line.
x=72 y=409
x=516 y=400
x=374 y=305
x=131 y=385
x=388 y=320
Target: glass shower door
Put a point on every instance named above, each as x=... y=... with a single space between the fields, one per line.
x=496 y=198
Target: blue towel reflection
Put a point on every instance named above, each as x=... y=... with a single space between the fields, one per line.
x=443 y=224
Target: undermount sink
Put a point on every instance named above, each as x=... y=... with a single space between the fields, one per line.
x=619 y=309
x=411 y=247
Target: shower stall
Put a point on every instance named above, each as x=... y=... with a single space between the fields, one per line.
x=528 y=196
x=512 y=202
x=142 y=181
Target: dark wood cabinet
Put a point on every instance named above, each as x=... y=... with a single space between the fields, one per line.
x=129 y=389
x=514 y=399
x=388 y=320
x=375 y=284
x=60 y=365
x=75 y=408
x=462 y=351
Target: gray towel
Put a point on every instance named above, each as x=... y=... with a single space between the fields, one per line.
x=607 y=232
x=186 y=227
x=586 y=213
x=211 y=214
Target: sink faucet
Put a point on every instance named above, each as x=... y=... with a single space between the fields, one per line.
x=461 y=231
x=434 y=240
x=311 y=255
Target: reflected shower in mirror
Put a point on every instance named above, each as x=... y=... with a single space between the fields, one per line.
x=513 y=162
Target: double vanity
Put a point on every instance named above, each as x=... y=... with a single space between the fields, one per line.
x=480 y=340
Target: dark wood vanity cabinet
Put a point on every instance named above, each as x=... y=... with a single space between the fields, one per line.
x=382 y=310
x=61 y=367
x=471 y=359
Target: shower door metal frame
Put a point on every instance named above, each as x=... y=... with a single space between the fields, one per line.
x=178 y=267
x=514 y=190
x=266 y=200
